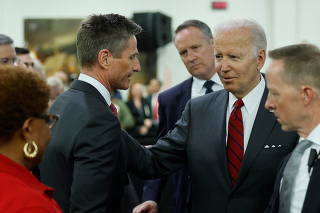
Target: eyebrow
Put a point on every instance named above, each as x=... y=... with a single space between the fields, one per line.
x=135 y=54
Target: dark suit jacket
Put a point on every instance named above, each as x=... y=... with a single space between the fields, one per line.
x=83 y=160
x=172 y=193
x=199 y=140
x=311 y=203
x=171 y=105
x=139 y=116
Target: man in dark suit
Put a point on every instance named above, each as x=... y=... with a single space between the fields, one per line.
x=294 y=97
x=194 y=42
x=83 y=161
x=231 y=144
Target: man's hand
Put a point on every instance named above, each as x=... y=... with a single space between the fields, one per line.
x=143 y=130
x=146 y=207
x=147 y=122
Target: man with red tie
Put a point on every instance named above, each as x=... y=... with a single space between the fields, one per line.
x=230 y=143
x=194 y=43
x=84 y=161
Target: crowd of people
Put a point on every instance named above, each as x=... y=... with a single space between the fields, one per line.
x=228 y=139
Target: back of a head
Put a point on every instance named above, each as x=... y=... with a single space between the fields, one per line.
x=301 y=63
x=23 y=94
x=203 y=27
x=97 y=32
x=257 y=34
x=63 y=77
x=4 y=39
x=56 y=85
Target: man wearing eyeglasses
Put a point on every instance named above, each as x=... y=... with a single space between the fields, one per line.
x=7 y=51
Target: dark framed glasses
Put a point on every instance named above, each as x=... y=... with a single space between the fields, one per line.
x=50 y=119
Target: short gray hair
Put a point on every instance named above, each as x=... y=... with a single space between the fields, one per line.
x=4 y=39
x=203 y=27
x=301 y=64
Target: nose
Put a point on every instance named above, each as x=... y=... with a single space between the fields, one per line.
x=21 y=64
x=224 y=65
x=269 y=105
x=136 y=66
x=191 y=57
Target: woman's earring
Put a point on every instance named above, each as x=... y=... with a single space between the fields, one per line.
x=30 y=149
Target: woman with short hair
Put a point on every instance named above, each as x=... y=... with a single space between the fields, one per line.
x=24 y=135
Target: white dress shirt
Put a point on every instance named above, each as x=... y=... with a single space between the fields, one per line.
x=303 y=177
x=198 y=89
x=249 y=110
x=96 y=84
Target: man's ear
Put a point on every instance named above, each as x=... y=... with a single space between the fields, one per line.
x=104 y=57
x=307 y=94
x=261 y=58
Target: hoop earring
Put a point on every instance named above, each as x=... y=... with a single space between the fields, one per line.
x=27 y=149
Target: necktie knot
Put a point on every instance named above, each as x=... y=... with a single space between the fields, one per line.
x=302 y=146
x=114 y=109
x=238 y=104
x=208 y=85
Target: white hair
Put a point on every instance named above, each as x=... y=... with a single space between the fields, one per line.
x=56 y=82
x=258 y=36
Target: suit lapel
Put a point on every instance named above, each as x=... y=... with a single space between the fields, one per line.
x=312 y=194
x=218 y=112
x=261 y=129
x=185 y=94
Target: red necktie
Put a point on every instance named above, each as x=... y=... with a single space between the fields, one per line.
x=155 y=115
x=235 y=141
x=113 y=109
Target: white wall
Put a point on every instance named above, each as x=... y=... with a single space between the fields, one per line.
x=285 y=21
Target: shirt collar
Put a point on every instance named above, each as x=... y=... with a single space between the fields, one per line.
x=15 y=170
x=250 y=100
x=198 y=83
x=96 y=84
x=314 y=135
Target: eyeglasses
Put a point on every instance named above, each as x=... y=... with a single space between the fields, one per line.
x=50 y=119
x=7 y=61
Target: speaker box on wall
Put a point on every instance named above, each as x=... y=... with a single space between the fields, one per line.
x=156 y=30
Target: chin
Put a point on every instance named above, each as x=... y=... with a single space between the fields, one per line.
x=285 y=128
x=229 y=88
x=124 y=87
